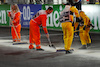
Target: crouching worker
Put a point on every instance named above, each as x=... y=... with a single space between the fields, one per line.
x=84 y=35
x=15 y=14
x=34 y=33
x=66 y=20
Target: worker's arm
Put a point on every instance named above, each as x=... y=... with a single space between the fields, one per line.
x=75 y=10
x=43 y=20
x=86 y=20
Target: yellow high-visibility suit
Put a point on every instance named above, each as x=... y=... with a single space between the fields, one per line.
x=68 y=29
x=84 y=34
x=68 y=32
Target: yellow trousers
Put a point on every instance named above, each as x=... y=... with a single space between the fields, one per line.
x=68 y=32
x=84 y=36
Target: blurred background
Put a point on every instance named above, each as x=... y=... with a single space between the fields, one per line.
x=46 y=1
x=29 y=8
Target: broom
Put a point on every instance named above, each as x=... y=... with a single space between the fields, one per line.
x=14 y=43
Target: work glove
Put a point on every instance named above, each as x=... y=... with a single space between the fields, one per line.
x=78 y=19
x=92 y=25
x=84 y=27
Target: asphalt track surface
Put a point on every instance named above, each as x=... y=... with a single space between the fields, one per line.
x=21 y=56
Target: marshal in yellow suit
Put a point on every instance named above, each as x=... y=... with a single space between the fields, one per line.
x=68 y=29
x=84 y=35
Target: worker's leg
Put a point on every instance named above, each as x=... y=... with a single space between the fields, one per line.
x=67 y=34
x=35 y=34
x=13 y=34
x=82 y=38
x=70 y=32
x=31 y=38
x=18 y=29
x=87 y=37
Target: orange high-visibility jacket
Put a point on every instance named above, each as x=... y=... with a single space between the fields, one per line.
x=15 y=17
x=16 y=21
x=40 y=18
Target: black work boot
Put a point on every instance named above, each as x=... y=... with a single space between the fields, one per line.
x=68 y=51
x=40 y=49
x=83 y=47
x=88 y=45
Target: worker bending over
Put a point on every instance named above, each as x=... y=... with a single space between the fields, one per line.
x=85 y=28
x=35 y=23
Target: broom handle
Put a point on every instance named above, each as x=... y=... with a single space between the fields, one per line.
x=49 y=41
x=78 y=30
x=14 y=28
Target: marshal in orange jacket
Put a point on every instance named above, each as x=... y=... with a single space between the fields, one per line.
x=38 y=20
x=16 y=21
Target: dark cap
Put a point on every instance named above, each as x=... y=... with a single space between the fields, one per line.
x=50 y=8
